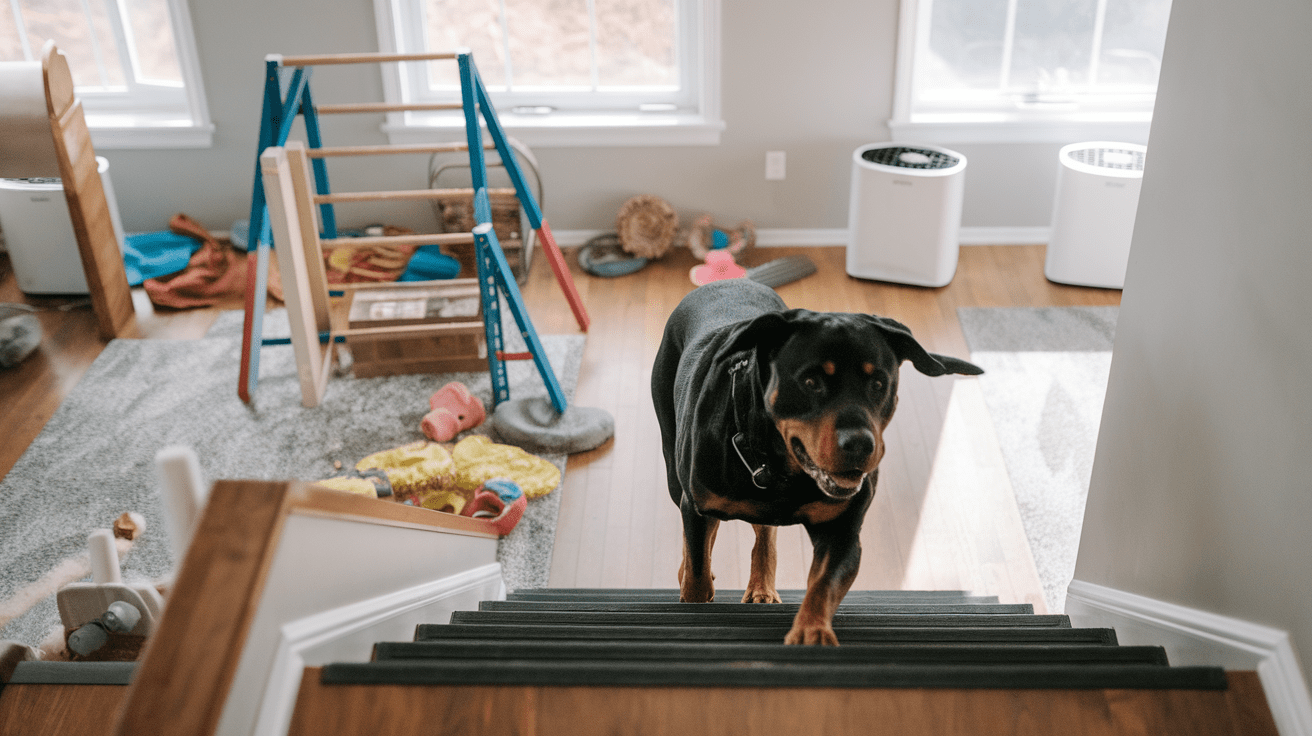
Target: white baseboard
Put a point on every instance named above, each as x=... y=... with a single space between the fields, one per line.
x=323 y=637
x=815 y=237
x=1193 y=637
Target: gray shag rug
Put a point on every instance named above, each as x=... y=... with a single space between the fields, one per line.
x=1045 y=376
x=95 y=458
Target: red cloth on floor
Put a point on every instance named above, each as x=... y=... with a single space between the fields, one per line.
x=214 y=273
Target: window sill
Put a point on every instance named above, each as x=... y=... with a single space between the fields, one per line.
x=948 y=128
x=572 y=131
x=114 y=132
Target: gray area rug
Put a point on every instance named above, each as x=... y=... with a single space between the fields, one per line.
x=95 y=458
x=1044 y=382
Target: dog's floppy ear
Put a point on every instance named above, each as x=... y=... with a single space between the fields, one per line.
x=906 y=347
x=765 y=334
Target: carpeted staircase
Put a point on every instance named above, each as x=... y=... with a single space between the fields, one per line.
x=902 y=639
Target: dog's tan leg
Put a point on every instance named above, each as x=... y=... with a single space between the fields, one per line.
x=833 y=570
x=696 y=582
x=760 y=585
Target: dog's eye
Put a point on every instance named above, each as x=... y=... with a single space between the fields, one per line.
x=879 y=385
x=813 y=384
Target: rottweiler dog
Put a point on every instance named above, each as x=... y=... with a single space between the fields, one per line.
x=776 y=416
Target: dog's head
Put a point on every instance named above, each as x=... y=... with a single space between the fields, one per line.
x=830 y=385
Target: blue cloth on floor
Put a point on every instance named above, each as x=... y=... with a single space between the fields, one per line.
x=151 y=255
x=429 y=263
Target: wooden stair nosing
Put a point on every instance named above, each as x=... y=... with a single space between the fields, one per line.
x=846 y=634
x=763 y=618
x=712 y=651
x=765 y=674
x=736 y=608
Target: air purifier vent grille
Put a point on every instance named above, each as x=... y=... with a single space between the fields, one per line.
x=908 y=157
x=1122 y=159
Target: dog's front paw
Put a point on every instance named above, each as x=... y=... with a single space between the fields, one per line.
x=694 y=590
x=821 y=635
x=761 y=595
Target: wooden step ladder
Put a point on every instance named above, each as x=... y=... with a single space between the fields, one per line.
x=283 y=203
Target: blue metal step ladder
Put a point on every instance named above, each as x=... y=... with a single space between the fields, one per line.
x=287 y=94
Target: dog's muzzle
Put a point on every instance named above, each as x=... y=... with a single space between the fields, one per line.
x=838 y=486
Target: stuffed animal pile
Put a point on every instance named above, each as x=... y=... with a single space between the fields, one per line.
x=476 y=477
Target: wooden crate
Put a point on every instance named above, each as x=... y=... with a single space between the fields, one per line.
x=456 y=305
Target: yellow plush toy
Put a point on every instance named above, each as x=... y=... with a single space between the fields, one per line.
x=478 y=459
x=414 y=470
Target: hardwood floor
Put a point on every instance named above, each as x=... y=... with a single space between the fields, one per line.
x=944 y=515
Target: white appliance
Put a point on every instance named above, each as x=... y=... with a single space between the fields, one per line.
x=39 y=233
x=904 y=216
x=1093 y=213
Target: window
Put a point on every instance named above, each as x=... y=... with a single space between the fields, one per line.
x=562 y=72
x=1028 y=69
x=133 y=63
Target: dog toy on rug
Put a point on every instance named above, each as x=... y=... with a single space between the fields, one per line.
x=413 y=470
x=454 y=410
x=372 y=483
x=492 y=505
x=478 y=459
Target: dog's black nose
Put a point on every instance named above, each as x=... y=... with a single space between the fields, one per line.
x=856 y=444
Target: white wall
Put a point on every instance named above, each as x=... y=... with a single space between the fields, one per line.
x=1201 y=492
x=812 y=79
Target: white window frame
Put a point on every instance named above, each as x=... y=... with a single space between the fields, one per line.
x=697 y=121
x=145 y=115
x=1040 y=122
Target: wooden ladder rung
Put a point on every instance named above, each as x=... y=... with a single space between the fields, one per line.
x=370 y=241
x=340 y=197
x=359 y=58
x=350 y=107
x=328 y=151
x=417 y=286
x=401 y=331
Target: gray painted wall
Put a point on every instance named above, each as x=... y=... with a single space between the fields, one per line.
x=1201 y=492
x=812 y=79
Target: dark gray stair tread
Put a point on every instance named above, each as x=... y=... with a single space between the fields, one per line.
x=763 y=618
x=846 y=634
x=764 y=674
x=737 y=608
x=708 y=651
x=736 y=596
x=732 y=595
x=39 y=672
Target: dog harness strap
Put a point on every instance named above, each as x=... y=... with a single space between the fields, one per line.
x=761 y=474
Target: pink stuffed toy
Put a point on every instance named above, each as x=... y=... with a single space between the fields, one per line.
x=488 y=505
x=454 y=410
x=718 y=267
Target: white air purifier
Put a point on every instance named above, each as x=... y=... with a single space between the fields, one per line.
x=39 y=233
x=904 y=217
x=1093 y=213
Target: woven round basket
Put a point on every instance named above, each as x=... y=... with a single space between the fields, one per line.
x=647 y=226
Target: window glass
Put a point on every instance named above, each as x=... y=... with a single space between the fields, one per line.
x=637 y=43
x=151 y=42
x=966 y=41
x=550 y=43
x=575 y=54
x=1005 y=54
x=1133 y=37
